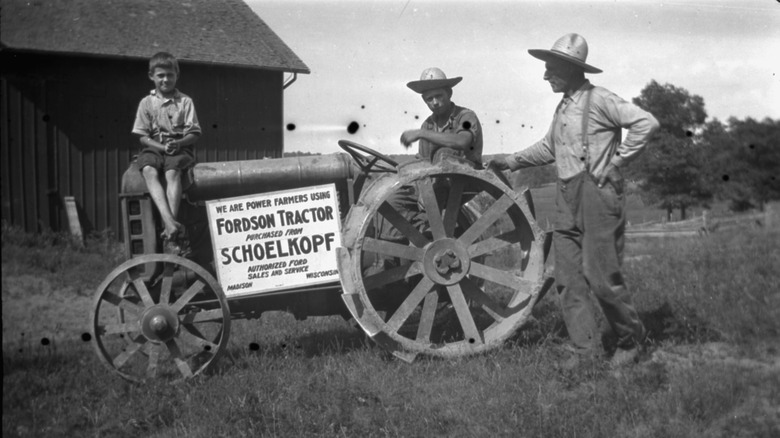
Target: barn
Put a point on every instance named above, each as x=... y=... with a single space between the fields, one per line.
x=73 y=72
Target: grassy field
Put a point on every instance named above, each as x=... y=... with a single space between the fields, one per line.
x=712 y=369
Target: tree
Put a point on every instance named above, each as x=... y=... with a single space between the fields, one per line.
x=668 y=171
x=744 y=161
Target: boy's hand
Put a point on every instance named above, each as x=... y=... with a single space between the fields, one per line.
x=172 y=147
x=409 y=136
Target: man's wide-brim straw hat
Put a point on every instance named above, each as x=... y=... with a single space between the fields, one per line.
x=432 y=78
x=571 y=48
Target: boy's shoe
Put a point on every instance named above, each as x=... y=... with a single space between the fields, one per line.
x=185 y=248
x=170 y=245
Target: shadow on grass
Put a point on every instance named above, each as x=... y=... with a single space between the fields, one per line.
x=330 y=341
x=666 y=324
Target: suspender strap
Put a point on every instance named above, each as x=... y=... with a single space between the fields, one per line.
x=585 y=119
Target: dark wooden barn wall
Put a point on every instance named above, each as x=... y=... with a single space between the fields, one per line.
x=66 y=123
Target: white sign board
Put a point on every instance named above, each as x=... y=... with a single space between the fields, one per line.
x=273 y=241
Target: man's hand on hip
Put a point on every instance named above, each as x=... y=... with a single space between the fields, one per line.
x=611 y=174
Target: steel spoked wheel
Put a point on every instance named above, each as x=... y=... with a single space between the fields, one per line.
x=466 y=273
x=173 y=325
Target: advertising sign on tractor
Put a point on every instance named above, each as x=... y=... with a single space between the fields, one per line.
x=275 y=241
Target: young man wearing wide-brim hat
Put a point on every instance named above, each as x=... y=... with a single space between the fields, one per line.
x=450 y=132
x=450 y=129
x=584 y=142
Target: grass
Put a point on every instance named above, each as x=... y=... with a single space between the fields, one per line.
x=322 y=377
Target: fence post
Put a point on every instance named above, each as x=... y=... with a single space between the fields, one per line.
x=73 y=219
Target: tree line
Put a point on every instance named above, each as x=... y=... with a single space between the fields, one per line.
x=691 y=162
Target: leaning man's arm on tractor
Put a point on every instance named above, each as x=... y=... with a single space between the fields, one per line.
x=538 y=154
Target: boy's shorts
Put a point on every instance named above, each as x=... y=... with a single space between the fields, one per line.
x=161 y=161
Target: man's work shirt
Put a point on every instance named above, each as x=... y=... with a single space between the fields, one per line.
x=563 y=143
x=159 y=117
x=461 y=119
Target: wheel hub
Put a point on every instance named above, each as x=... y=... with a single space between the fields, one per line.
x=159 y=323
x=446 y=261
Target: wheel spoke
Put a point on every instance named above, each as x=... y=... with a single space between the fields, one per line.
x=188 y=295
x=494 y=244
x=154 y=357
x=167 y=283
x=140 y=287
x=504 y=278
x=385 y=247
x=453 y=205
x=487 y=219
x=464 y=314
x=427 y=316
x=432 y=210
x=479 y=297
x=403 y=225
x=129 y=351
x=203 y=316
x=392 y=275
x=410 y=303
x=184 y=369
x=122 y=303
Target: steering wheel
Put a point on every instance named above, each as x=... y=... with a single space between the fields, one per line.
x=373 y=161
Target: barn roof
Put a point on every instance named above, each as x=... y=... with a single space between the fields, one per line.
x=225 y=32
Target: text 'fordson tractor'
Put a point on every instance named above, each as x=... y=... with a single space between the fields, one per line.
x=301 y=235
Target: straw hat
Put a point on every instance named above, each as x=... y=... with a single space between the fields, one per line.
x=432 y=78
x=571 y=48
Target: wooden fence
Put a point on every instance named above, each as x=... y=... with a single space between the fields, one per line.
x=704 y=224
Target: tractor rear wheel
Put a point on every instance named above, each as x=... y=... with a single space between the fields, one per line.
x=466 y=275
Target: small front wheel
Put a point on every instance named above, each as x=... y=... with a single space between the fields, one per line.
x=172 y=325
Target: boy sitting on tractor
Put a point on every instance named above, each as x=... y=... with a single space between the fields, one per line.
x=167 y=127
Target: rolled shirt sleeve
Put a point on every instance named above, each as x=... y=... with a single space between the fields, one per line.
x=608 y=115
x=639 y=123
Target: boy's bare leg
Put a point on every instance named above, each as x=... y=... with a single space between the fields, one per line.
x=160 y=200
x=173 y=177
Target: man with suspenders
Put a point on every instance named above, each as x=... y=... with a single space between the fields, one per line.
x=584 y=141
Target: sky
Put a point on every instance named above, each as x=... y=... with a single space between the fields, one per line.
x=362 y=54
